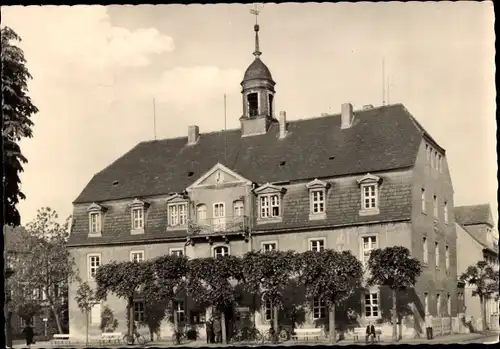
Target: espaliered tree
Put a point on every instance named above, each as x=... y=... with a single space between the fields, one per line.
x=394 y=268
x=268 y=274
x=485 y=282
x=125 y=280
x=212 y=282
x=85 y=299
x=332 y=277
x=169 y=274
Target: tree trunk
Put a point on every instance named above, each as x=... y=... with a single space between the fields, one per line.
x=275 y=324
x=8 y=331
x=223 y=327
x=87 y=328
x=130 y=307
x=483 y=311
x=56 y=317
x=331 y=324
x=394 y=317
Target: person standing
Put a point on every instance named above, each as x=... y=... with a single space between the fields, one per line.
x=428 y=326
x=208 y=326
x=28 y=334
x=370 y=332
x=217 y=330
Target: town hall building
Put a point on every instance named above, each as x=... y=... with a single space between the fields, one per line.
x=356 y=180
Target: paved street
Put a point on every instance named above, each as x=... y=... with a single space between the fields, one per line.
x=469 y=338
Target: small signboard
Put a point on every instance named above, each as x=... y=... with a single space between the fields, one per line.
x=45 y=319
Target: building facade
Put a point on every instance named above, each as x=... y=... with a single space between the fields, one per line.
x=356 y=180
x=477 y=240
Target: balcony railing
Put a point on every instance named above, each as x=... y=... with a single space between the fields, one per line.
x=219 y=225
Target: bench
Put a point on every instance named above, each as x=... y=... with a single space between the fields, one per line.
x=361 y=332
x=306 y=333
x=59 y=338
x=111 y=337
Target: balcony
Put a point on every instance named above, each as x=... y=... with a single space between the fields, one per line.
x=218 y=226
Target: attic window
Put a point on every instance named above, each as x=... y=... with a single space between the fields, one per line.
x=253 y=104
x=331 y=157
x=190 y=173
x=116 y=182
x=282 y=163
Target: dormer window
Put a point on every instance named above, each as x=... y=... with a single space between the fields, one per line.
x=95 y=219
x=317 y=199
x=270 y=203
x=369 y=186
x=177 y=209
x=137 y=213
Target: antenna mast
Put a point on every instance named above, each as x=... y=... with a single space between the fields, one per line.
x=225 y=133
x=154 y=118
x=388 y=90
x=383 y=81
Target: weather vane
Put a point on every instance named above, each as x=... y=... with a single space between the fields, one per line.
x=255 y=11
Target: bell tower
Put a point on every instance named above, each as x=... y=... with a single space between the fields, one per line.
x=257 y=92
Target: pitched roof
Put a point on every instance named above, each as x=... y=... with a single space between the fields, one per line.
x=473 y=214
x=380 y=139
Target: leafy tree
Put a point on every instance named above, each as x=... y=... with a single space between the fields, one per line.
x=108 y=321
x=268 y=274
x=125 y=280
x=48 y=267
x=485 y=282
x=393 y=267
x=169 y=274
x=332 y=277
x=28 y=310
x=211 y=282
x=85 y=299
x=17 y=110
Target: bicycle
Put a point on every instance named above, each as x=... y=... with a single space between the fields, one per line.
x=250 y=334
x=178 y=337
x=131 y=339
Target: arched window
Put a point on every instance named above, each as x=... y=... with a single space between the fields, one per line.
x=239 y=208
x=201 y=213
x=221 y=251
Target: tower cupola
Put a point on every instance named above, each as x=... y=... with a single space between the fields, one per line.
x=257 y=92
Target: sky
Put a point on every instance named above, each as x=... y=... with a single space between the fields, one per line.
x=97 y=70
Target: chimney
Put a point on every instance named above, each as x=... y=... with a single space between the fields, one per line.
x=367 y=106
x=193 y=134
x=347 y=116
x=282 y=124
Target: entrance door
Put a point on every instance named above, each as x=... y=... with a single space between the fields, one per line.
x=219 y=217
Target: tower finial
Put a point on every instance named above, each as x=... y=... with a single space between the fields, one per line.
x=255 y=11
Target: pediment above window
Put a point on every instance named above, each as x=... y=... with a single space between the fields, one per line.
x=269 y=188
x=218 y=175
x=316 y=183
x=137 y=203
x=177 y=197
x=96 y=208
x=369 y=178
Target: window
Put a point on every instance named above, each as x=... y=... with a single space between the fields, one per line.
x=423 y=200
x=95 y=314
x=201 y=213
x=94 y=261
x=440 y=164
x=319 y=309
x=425 y=250
x=268 y=310
x=432 y=159
x=139 y=311
x=436 y=163
x=177 y=214
x=239 y=208
x=371 y=305
x=95 y=222
x=136 y=256
x=317 y=245
x=369 y=244
x=253 y=104
x=269 y=246
x=317 y=201
x=221 y=251
x=445 y=212
x=435 y=206
x=436 y=252
x=369 y=196
x=427 y=152
x=447 y=256
x=426 y=303
x=138 y=218
x=438 y=304
x=269 y=206
x=271 y=98
x=179 y=310
x=177 y=251
x=448 y=305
